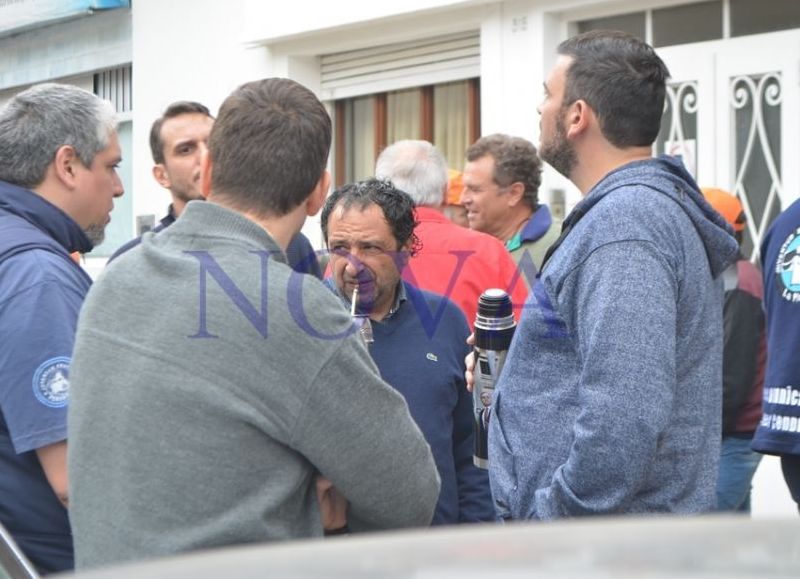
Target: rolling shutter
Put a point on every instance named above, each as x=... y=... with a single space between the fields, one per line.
x=396 y=66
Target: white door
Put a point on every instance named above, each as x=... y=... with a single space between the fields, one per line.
x=733 y=112
x=737 y=127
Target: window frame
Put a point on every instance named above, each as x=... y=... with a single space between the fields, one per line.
x=380 y=123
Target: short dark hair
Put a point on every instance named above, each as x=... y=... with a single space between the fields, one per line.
x=174 y=110
x=397 y=207
x=515 y=160
x=622 y=79
x=269 y=146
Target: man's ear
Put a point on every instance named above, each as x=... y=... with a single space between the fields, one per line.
x=205 y=174
x=65 y=164
x=403 y=256
x=578 y=118
x=516 y=191
x=161 y=176
x=317 y=198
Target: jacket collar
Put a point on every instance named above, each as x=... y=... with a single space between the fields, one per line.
x=429 y=214
x=45 y=216
x=536 y=227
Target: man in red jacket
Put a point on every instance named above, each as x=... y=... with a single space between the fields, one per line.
x=456 y=262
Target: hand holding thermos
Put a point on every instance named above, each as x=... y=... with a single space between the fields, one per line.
x=494 y=328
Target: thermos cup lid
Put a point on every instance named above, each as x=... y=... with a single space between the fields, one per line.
x=494 y=310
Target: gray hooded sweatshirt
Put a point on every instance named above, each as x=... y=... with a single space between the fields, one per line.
x=610 y=400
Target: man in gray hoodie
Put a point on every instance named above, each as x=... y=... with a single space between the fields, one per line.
x=212 y=385
x=609 y=402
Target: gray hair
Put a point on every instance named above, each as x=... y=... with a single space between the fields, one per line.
x=35 y=123
x=416 y=167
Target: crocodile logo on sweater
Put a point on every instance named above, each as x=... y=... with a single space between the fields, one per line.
x=787 y=267
x=51 y=382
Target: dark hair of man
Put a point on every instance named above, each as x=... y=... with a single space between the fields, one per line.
x=622 y=79
x=397 y=207
x=515 y=160
x=176 y=109
x=269 y=147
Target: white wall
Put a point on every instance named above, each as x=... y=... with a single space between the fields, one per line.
x=79 y=46
x=770 y=497
x=299 y=19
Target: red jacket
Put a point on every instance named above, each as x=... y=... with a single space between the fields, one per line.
x=461 y=264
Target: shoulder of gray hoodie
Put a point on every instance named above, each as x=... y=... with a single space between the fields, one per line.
x=635 y=284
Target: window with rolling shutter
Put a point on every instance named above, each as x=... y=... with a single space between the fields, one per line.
x=423 y=89
x=392 y=67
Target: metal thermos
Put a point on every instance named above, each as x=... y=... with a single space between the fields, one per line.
x=494 y=328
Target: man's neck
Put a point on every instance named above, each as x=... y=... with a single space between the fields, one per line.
x=281 y=228
x=178 y=205
x=514 y=224
x=50 y=192
x=601 y=163
x=380 y=311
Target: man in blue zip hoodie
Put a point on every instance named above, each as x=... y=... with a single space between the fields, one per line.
x=609 y=402
x=58 y=156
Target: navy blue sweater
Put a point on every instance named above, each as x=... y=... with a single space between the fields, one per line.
x=420 y=351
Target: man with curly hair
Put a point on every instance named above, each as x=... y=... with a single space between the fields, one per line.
x=419 y=336
x=501 y=189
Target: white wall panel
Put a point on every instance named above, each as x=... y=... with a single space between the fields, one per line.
x=88 y=44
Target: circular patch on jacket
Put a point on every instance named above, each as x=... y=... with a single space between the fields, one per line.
x=788 y=267
x=51 y=382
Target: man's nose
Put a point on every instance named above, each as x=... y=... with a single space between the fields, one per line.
x=118 y=187
x=355 y=268
x=464 y=198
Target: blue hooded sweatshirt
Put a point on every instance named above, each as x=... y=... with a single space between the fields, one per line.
x=610 y=399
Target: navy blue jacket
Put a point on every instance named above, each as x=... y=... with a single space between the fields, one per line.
x=779 y=430
x=41 y=292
